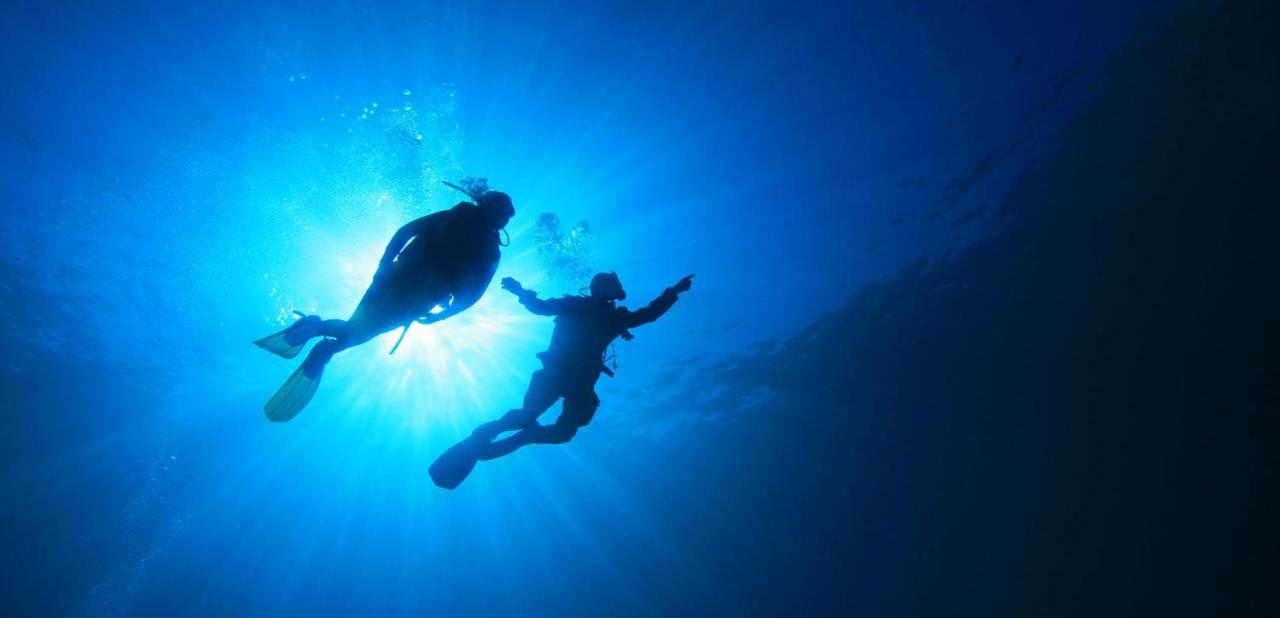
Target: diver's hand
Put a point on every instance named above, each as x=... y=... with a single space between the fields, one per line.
x=683 y=285
x=513 y=286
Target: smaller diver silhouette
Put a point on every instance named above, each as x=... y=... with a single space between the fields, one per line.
x=444 y=259
x=585 y=326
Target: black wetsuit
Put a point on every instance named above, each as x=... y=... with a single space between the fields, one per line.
x=453 y=253
x=453 y=248
x=571 y=366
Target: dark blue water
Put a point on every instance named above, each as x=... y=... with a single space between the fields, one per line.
x=983 y=302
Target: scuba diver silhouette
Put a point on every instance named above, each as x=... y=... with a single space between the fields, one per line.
x=444 y=259
x=585 y=326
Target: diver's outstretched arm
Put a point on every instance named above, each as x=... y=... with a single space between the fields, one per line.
x=461 y=302
x=659 y=305
x=465 y=297
x=402 y=238
x=530 y=299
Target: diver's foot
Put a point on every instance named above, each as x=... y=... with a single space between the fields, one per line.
x=313 y=366
x=289 y=342
x=454 y=465
x=303 y=330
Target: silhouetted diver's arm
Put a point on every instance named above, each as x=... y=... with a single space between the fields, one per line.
x=467 y=295
x=530 y=299
x=659 y=305
x=402 y=238
x=461 y=302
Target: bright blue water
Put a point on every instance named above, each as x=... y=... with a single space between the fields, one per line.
x=178 y=177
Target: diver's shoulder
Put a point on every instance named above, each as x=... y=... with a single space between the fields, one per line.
x=574 y=302
x=463 y=208
x=459 y=210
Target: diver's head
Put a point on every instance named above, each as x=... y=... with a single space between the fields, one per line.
x=497 y=208
x=607 y=286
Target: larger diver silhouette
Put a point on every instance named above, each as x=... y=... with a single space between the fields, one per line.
x=585 y=326
x=444 y=259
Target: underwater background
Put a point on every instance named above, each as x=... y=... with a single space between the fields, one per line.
x=984 y=320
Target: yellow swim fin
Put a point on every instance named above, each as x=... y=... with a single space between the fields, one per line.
x=278 y=345
x=292 y=396
x=290 y=341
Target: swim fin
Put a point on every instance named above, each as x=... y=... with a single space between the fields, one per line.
x=292 y=396
x=290 y=341
x=277 y=345
x=456 y=464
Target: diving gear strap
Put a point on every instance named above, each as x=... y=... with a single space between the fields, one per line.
x=403 y=332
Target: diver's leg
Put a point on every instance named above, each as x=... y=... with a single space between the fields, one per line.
x=299 y=388
x=542 y=393
x=580 y=404
x=544 y=389
x=334 y=328
x=383 y=309
x=558 y=433
x=290 y=341
x=352 y=335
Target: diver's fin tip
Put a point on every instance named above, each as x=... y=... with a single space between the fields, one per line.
x=277 y=344
x=454 y=465
x=292 y=397
x=444 y=483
